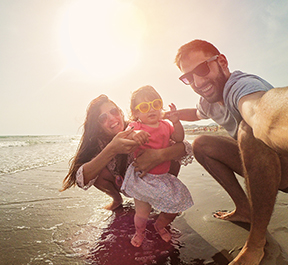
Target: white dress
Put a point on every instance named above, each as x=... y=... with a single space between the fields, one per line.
x=164 y=192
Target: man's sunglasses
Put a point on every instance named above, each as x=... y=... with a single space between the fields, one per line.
x=104 y=116
x=201 y=70
x=144 y=107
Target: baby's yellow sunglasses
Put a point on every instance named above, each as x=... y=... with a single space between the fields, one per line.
x=144 y=107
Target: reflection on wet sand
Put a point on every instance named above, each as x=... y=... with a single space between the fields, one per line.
x=113 y=245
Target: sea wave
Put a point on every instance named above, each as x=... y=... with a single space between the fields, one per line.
x=21 y=141
x=18 y=153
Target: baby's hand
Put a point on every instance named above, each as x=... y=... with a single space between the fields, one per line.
x=141 y=137
x=173 y=114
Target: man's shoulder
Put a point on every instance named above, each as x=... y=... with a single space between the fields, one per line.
x=240 y=79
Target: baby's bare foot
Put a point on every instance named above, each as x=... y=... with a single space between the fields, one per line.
x=165 y=235
x=137 y=239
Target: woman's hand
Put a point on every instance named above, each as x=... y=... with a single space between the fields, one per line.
x=120 y=144
x=146 y=160
x=150 y=158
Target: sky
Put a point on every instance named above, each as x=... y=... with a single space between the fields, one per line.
x=58 y=55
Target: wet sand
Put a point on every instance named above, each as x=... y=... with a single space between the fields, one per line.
x=40 y=225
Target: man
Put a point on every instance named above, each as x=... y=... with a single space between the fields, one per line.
x=236 y=102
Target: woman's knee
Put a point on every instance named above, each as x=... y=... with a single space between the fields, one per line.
x=105 y=180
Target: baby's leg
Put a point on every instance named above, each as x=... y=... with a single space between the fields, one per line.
x=140 y=220
x=162 y=221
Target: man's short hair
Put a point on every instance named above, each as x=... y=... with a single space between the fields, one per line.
x=195 y=46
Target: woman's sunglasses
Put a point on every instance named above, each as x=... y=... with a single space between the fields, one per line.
x=144 y=107
x=201 y=70
x=104 y=116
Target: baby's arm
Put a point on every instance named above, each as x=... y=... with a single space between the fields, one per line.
x=141 y=137
x=178 y=134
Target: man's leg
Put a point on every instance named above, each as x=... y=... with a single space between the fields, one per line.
x=219 y=155
x=284 y=174
x=262 y=171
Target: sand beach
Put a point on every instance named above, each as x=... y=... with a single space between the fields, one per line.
x=40 y=225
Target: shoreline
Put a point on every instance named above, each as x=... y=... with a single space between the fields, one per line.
x=40 y=223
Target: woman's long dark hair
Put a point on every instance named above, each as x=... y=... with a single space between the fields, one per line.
x=89 y=144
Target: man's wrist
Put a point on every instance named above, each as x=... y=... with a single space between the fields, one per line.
x=174 y=123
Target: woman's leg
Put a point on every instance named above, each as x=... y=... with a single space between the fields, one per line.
x=174 y=168
x=142 y=210
x=162 y=221
x=106 y=183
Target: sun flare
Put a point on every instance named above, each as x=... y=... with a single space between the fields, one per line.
x=102 y=38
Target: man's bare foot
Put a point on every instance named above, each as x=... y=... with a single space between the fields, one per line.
x=232 y=216
x=249 y=256
x=137 y=239
x=113 y=205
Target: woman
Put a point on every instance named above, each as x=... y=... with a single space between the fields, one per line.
x=102 y=156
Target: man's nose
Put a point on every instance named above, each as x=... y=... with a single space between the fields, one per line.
x=198 y=81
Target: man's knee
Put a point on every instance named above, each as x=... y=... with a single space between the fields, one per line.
x=244 y=131
x=203 y=146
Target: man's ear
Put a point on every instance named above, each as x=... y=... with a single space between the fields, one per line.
x=223 y=62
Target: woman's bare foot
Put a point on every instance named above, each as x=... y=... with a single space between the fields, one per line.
x=137 y=239
x=232 y=216
x=113 y=205
x=249 y=256
x=165 y=235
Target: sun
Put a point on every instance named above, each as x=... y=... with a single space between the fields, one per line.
x=102 y=38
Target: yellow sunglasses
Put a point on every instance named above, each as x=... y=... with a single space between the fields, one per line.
x=144 y=107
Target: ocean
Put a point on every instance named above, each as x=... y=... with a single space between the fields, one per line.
x=19 y=153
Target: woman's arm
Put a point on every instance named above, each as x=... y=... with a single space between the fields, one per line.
x=118 y=145
x=150 y=158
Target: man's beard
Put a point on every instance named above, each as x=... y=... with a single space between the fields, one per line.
x=218 y=85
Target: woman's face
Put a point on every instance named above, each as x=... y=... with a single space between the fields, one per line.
x=111 y=119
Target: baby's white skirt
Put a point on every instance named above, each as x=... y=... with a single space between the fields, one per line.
x=164 y=192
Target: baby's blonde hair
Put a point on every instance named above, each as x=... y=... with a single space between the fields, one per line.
x=148 y=92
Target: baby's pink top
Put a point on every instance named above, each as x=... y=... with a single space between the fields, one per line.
x=160 y=138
